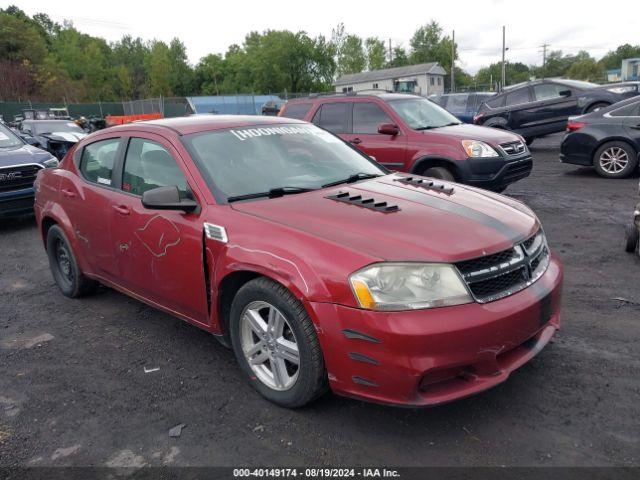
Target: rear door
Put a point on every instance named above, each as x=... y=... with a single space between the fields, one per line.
x=551 y=110
x=87 y=200
x=519 y=106
x=159 y=252
x=389 y=150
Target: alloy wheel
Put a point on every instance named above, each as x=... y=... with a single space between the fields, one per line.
x=614 y=160
x=269 y=345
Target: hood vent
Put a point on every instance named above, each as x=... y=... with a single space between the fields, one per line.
x=369 y=203
x=428 y=184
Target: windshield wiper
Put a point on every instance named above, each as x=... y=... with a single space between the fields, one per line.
x=352 y=178
x=273 y=193
x=429 y=127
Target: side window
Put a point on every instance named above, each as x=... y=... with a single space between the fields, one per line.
x=98 y=159
x=632 y=110
x=296 y=110
x=547 y=91
x=367 y=117
x=518 y=97
x=496 y=102
x=457 y=103
x=333 y=117
x=148 y=165
x=25 y=128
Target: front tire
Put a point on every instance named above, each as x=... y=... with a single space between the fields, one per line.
x=615 y=160
x=276 y=345
x=64 y=267
x=631 y=237
x=596 y=106
x=441 y=173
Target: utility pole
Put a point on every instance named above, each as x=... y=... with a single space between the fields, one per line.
x=390 y=52
x=453 y=61
x=504 y=71
x=544 y=59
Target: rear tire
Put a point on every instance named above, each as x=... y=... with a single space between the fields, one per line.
x=596 y=106
x=64 y=267
x=615 y=160
x=631 y=237
x=441 y=173
x=287 y=366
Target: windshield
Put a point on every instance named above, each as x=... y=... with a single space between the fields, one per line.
x=244 y=161
x=422 y=114
x=8 y=139
x=41 y=127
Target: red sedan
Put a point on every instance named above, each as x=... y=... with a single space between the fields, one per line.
x=320 y=268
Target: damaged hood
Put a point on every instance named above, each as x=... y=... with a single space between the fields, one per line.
x=403 y=221
x=71 y=137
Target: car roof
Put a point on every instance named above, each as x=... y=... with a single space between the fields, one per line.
x=384 y=95
x=205 y=122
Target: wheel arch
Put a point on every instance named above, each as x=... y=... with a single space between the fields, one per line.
x=429 y=161
x=595 y=102
x=613 y=139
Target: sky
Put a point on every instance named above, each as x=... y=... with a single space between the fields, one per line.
x=211 y=26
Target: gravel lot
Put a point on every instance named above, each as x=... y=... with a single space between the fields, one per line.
x=73 y=387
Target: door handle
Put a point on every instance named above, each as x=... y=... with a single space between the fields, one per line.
x=69 y=193
x=355 y=141
x=122 y=209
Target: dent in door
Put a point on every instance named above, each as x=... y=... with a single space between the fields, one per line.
x=158 y=235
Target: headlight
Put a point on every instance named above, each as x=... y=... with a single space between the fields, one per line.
x=627 y=89
x=408 y=286
x=476 y=148
x=51 y=163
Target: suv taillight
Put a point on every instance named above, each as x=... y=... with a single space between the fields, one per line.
x=574 y=126
x=477 y=117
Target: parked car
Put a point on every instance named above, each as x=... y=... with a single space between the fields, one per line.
x=19 y=164
x=608 y=139
x=318 y=266
x=410 y=134
x=54 y=136
x=538 y=108
x=463 y=106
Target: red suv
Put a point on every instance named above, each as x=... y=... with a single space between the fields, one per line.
x=319 y=267
x=411 y=134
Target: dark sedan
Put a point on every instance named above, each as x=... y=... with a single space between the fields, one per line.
x=608 y=139
x=463 y=105
x=538 y=108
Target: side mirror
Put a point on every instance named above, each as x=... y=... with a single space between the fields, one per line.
x=167 y=198
x=565 y=93
x=388 y=129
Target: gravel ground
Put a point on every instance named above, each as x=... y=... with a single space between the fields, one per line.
x=73 y=387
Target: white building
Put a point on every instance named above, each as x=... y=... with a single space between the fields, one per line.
x=423 y=79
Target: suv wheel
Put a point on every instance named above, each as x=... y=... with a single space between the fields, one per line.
x=615 y=160
x=64 y=267
x=441 y=173
x=275 y=343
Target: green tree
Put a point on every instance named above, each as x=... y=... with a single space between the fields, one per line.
x=351 y=56
x=585 y=67
x=376 y=53
x=613 y=59
x=20 y=41
x=158 y=68
x=400 y=58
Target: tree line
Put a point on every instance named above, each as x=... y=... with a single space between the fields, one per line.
x=43 y=60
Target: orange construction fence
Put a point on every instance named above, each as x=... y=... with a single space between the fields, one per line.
x=122 y=119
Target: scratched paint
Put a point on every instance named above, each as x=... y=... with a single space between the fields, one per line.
x=159 y=235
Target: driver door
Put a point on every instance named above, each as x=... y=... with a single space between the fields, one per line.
x=158 y=252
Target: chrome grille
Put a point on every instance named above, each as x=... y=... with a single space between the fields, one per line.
x=513 y=148
x=501 y=274
x=18 y=177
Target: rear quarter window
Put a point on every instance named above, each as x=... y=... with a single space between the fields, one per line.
x=296 y=110
x=98 y=159
x=496 y=102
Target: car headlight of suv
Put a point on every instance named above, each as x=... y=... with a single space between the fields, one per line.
x=476 y=148
x=625 y=89
x=408 y=286
x=51 y=163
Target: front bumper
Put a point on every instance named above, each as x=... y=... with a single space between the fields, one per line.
x=430 y=357
x=495 y=173
x=17 y=202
